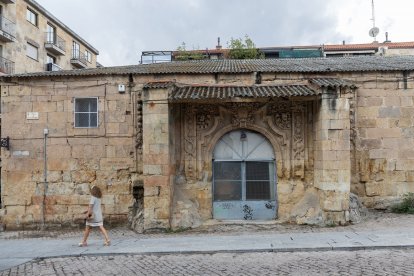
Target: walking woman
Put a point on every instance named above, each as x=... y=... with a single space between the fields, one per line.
x=94 y=217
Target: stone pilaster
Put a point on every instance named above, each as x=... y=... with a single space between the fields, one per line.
x=156 y=159
x=332 y=156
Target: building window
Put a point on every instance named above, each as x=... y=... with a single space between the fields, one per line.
x=244 y=177
x=75 y=50
x=51 y=34
x=50 y=59
x=88 y=56
x=31 y=16
x=32 y=51
x=86 y=112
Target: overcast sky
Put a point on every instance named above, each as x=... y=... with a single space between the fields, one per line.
x=122 y=29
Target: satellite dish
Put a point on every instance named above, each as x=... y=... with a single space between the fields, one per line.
x=374 y=32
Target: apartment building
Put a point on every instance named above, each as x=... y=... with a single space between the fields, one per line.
x=33 y=40
x=386 y=48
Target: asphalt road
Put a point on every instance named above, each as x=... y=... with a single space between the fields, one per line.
x=363 y=262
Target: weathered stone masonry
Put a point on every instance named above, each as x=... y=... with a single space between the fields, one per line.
x=332 y=134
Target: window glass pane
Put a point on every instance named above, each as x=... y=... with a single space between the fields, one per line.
x=227 y=170
x=86 y=112
x=227 y=190
x=88 y=56
x=227 y=181
x=75 y=50
x=31 y=17
x=82 y=119
x=86 y=105
x=259 y=181
x=258 y=148
x=50 y=34
x=93 y=120
x=257 y=171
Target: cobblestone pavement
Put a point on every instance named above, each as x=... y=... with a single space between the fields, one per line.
x=370 y=262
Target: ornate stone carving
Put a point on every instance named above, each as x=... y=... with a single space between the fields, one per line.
x=242 y=113
x=205 y=115
x=283 y=120
x=298 y=136
x=139 y=138
x=190 y=145
x=281 y=112
x=298 y=139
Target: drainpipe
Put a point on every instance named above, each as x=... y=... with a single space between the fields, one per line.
x=45 y=133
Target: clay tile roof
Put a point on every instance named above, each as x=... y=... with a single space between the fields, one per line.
x=368 y=46
x=332 y=83
x=216 y=92
x=302 y=65
x=159 y=84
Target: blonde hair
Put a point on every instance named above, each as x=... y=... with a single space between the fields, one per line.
x=96 y=192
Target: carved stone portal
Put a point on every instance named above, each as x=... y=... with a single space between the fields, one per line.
x=283 y=120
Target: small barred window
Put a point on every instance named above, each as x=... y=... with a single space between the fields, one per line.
x=86 y=112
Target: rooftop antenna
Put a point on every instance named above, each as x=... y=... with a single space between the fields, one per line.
x=374 y=30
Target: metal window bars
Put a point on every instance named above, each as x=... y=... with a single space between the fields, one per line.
x=53 y=38
x=7 y=26
x=6 y=66
x=76 y=54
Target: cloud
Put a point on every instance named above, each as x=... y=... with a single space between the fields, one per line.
x=121 y=29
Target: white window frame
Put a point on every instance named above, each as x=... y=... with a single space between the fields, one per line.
x=51 y=33
x=28 y=53
x=88 y=56
x=75 y=50
x=97 y=112
x=31 y=17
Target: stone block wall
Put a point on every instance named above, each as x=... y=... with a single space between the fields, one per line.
x=332 y=156
x=77 y=158
x=384 y=155
x=158 y=154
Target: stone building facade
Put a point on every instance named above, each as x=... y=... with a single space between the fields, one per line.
x=34 y=40
x=175 y=145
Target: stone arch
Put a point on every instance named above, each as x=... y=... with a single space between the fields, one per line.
x=244 y=182
x=277 y=148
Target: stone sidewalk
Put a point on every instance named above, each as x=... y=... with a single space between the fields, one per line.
x=377 y=232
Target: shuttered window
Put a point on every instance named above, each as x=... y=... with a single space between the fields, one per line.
x=32 y=51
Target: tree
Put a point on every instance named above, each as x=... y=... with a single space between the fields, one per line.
x=240 y=49
x=183 y=54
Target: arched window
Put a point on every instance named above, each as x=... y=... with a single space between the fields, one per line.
x=244 y=176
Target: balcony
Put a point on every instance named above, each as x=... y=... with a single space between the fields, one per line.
x=78 y=59
x=52 y=67
x=6 y=66
x=7 y=30
x=8 y=1
x=55 y=44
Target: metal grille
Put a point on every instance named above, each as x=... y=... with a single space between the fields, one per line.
x=258 y=180
x=86 y=112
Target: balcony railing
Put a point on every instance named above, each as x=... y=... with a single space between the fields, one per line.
x=7 y=30
x=55 y=43
x=6 y=66
x=78 y=59
x=53 y=67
